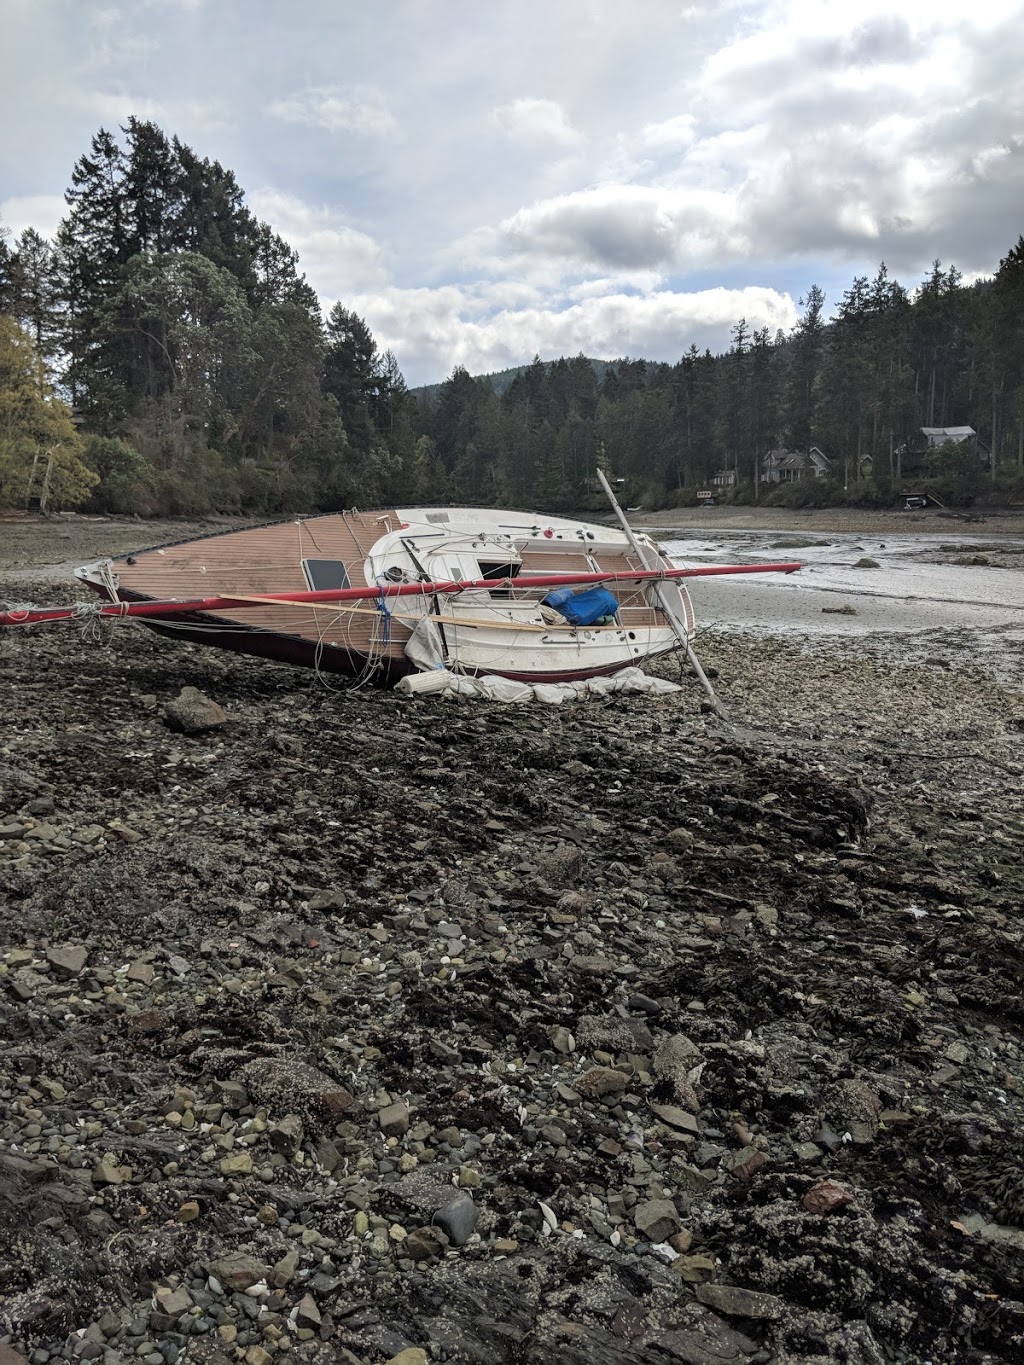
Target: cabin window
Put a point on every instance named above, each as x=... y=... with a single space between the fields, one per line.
x=325 y=575
x=493 y=569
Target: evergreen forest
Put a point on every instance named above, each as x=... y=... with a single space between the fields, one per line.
x=164 y=354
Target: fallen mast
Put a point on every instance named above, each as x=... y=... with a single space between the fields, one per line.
x=153 y=608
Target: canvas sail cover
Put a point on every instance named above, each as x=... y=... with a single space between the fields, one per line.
x=424 y=647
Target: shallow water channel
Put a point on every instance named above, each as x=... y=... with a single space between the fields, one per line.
x=921 y=600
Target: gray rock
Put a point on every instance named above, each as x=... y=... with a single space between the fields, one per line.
x=394 y=1119
x=68 y=959
x=286 y=1136
x=284 y=1270
x=657 y=1219
x=602 y=1080
x=307 y=1314
x=174 y=1303
x=739 y=1303
x=285 y=1084
x=613 y=1032
x=328 y=900
x=238 y=1271
x=676 y=1117
x=106 y=1173
x=424 y=1243
x=676 y=1054
x=458 y=1219
x=592 y=965
x=710 y=1343
x=190 y=713
x=562 y=866
x=674 y=1060
x=421 y=1191
x=233 y=1095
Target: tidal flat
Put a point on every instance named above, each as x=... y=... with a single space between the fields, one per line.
x=611 y=1032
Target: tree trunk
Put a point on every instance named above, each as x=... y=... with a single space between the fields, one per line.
x=995 y=412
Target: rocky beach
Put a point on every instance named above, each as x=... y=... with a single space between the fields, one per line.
x=359 y=1028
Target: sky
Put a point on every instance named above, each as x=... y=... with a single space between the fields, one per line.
x=483 y=182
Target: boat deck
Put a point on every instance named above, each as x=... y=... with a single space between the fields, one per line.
x=334 y=551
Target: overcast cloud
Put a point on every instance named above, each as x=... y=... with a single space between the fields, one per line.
x=487 y=182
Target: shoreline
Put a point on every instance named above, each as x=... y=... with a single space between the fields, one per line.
x=811 y=520
x=834 y=520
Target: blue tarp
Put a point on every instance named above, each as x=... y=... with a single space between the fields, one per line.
x=582 y=608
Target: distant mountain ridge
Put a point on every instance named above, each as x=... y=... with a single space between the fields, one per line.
x=500 y=380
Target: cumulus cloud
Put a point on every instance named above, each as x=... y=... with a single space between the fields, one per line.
x=433 y=330
x=338 y=109
x=116 y=107
x=536 y=120
x=626 y=227
x=668 y=135
x=853 y=130
x=337 y=258
x=40 y=211
x=658 y=148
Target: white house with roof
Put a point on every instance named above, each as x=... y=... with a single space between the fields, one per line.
x=938 y=436
x=786 y=466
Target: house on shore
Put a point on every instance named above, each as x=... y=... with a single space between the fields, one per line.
x=919 y=457
x=786 y=466
x=724 y=478
x=938 y=436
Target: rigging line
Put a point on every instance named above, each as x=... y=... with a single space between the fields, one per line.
x=312 y=535
x=355 y=539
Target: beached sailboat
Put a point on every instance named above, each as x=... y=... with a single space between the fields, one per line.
x=502 y=627
x=378 y=595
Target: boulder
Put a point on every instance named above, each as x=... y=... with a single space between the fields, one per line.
x=190 y=713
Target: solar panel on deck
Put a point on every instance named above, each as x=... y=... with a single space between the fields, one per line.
x=325 y=575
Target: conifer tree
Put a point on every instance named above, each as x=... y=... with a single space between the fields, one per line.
x=807 y=355
x=33 y=292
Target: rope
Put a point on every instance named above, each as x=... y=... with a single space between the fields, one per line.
x=22 y=609
x=92 y=615
x=382 y=607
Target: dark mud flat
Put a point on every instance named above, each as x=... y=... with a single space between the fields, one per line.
x=363 y=1029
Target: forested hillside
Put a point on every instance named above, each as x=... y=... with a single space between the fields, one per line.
x=180 y=334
